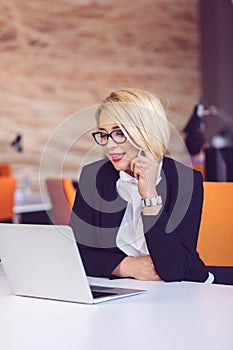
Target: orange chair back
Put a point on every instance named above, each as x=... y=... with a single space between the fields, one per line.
x=69 y=191
x=5 y=169
x=200 y=168
x=7 y=193
x=215 y=242
x=62 y=195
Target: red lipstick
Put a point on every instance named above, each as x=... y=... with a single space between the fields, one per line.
x=117 y=157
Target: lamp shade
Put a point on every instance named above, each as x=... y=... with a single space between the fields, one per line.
x=196 y=121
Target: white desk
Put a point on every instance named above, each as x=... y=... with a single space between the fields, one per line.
x=31 y=203
x=31 y=209
x=170 y=316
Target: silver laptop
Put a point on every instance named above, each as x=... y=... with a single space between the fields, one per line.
x=43 y=261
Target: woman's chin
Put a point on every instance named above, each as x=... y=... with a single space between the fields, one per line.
x=121 y=165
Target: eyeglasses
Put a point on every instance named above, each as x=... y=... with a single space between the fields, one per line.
x=102 y=137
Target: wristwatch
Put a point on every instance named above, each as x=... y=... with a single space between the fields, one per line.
x=151 y=202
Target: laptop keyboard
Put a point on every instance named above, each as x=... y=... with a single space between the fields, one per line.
x=100 y=291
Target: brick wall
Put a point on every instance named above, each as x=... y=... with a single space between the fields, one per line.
x=59 y=58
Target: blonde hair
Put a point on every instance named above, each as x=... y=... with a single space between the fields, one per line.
x=141 y=117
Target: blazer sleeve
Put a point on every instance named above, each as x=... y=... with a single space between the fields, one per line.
x=86 y=221
x=172 y=237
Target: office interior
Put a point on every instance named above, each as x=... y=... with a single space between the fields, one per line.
x=49 y=74
x=58 y=60
x=58 y=65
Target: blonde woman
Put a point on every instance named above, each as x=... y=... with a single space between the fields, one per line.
x=137 y=212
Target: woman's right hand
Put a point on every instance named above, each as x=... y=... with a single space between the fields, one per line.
x=140 y=268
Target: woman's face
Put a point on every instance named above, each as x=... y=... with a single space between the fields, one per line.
x=119 y=154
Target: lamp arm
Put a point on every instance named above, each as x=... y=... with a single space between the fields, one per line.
x=221 y=114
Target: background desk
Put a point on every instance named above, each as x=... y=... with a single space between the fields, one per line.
x=169 y=316
x=32 y=209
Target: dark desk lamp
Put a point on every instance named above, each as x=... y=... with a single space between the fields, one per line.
x=17 y=143
x=218 y=157
x=197 y=120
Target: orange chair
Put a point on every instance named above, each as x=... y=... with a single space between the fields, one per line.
x=215 y=242
x=62 y=195
x=7 y=192
x=5 y=169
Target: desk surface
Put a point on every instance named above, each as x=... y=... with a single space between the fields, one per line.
x=169 y=316
x=31 y=203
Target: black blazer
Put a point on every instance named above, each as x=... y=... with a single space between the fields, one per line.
x=171 y=236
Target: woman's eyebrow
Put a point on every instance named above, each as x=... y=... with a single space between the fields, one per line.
x=114 y=128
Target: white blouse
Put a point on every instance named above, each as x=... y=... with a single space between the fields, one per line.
x=130 y=237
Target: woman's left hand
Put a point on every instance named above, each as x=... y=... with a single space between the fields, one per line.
x=145 y=169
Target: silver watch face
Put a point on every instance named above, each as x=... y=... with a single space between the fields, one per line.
x=153 y=202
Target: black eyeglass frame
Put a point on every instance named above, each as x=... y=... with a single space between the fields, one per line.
x=108 y=135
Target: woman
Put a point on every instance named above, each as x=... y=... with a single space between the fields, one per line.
x=137 y=213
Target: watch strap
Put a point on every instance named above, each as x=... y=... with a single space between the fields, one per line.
x=151 y=202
